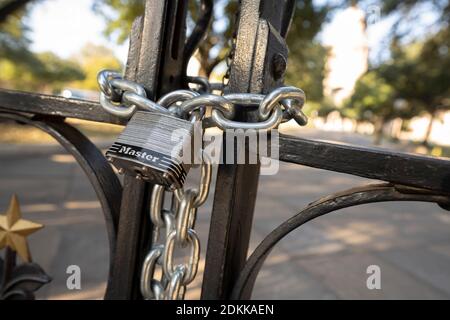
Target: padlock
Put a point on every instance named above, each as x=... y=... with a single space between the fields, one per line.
x=146 y=149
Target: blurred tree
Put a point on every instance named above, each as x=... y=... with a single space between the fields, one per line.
x=406 y=7
x=307 y=56
x=14 y=39
x=416 y=74
x=218 y=39
x=306 y=68
x=21 y=68
x=419 y=73
x=372 y=100
x=120 y=14
x=48 y=75
x=93 y=58
x=9 y=7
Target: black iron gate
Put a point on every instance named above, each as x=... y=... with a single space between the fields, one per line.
x=158 y=57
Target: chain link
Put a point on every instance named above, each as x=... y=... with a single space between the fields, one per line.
x=122 y=98
x=178 y=225
x=173 y=228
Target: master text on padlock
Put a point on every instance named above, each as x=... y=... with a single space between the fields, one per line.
x=129 y=151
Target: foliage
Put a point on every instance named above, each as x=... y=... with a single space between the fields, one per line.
x=405 y=7
x=48 y=74
x=25 y=70
x=419 y=72
x=416 y=75
x=93 y=58
x=14 y=39
x=373 y=97
x=119 y=16
x=307 y=56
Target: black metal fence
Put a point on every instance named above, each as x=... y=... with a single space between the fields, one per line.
x=151 y=62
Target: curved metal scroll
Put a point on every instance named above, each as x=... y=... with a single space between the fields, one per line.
x=199 y=31
x=97 y=169
x=353 y=197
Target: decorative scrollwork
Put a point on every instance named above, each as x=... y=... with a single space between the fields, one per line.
x=100 y=174
x=23 y=281
x=357 y=196
x=18 y=282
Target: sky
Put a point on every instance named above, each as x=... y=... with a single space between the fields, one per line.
x=64 y=27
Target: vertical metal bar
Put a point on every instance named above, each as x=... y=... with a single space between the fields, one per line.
x=230 y=228
x=132 y=237
x=236 y=186
x=9 y=263
x=155 y=60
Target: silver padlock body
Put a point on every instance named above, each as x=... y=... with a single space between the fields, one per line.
x=145 y=148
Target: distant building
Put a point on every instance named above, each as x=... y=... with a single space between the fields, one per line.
x=349 y=52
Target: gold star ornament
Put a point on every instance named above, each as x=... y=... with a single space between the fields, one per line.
x=14 y=230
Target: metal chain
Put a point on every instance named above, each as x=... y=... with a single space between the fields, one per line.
x=174 y=227
x=122 y=98
x=162 y=278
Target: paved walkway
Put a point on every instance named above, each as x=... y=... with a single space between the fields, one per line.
x=325 y=259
